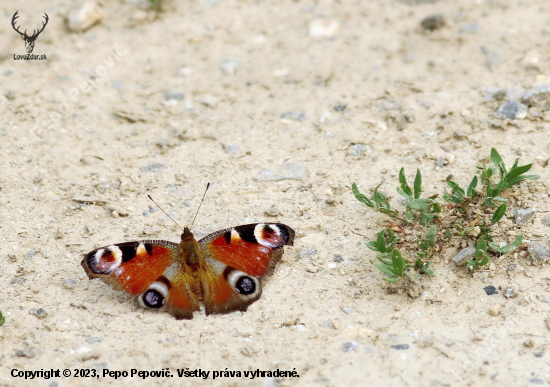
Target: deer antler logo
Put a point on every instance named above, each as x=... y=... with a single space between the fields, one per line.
x=29 y=40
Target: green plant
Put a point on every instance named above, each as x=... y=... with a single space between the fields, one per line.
x=2 y=319
x=470 y=215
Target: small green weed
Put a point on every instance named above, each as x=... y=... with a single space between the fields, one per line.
x=2 y=319
x=468 y=214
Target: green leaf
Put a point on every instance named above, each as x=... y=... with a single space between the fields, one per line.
x=385 y=269
x=381 y=242
x=499 y=213
x=488 y=172
x=426 y=219
x=471 y=188
x=405 y=188
x=436 y=207
x=481 y=247
x=459 y=192
x=514 y=172
x=380 y=199
x=373 y=245
x=417 y=184
x=419 y=204
x=455 y=200
x=510 y=247
x=448 y=234
x=2 y=319
x=519 y=179
x=390 y=213
x=425 y=268
x=391 y=279
x=359 y=196
x=398 y=262
x=431 y=235
x=497 y=160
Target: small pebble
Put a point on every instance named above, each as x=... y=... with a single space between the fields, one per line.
x=175 y=95
x=40 y=313
x=536 y=95
x=523 y=216
x=231 y=148
x=510 y=292
x=529 y=343
x=154 y=167
x=536 y=381
x=464 y=255
x=294 y=116
x=469 y=28
x=400 y=346
x=27 y=352
x=512 y=110
x=115 y=214
x=546 y=221
x=323 y=28
x=272 y=211
x=307 y=252
x=229 y=66
x=490 y=290
x=350 y=346
x=92 y=340
x=294 y=171
x=85 y=17
x=495 y=310
x=433 y=22
x=210 y=101
x=338 y=258
x=358 y=150
x=339 y=108
x=493 y=92
x=69 y=283
x=85 y=353
x=539 y=354
x=348 y=310
x=538 y=250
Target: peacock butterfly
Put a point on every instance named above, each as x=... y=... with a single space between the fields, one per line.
x=222 y=271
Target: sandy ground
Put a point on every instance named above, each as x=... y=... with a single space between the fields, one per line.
x=281 y=105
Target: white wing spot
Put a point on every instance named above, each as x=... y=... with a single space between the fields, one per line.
x=140 y=249
x=265 y=239
x=235 y=237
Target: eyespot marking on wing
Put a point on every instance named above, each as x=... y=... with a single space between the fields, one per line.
x=156 y=294
x=105 y=260
x=271 y=235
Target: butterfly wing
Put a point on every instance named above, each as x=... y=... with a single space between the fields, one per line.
x=147 y=269
x=235 y=260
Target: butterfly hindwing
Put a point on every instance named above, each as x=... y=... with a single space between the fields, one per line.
x=236 y=259
x=146 y=269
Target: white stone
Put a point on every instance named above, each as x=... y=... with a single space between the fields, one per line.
x=323 y=28
x=85 y=17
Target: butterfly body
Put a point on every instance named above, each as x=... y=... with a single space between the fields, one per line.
x=222 y=271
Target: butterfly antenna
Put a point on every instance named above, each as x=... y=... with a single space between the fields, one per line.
x=202 y=200
x=166 y=213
